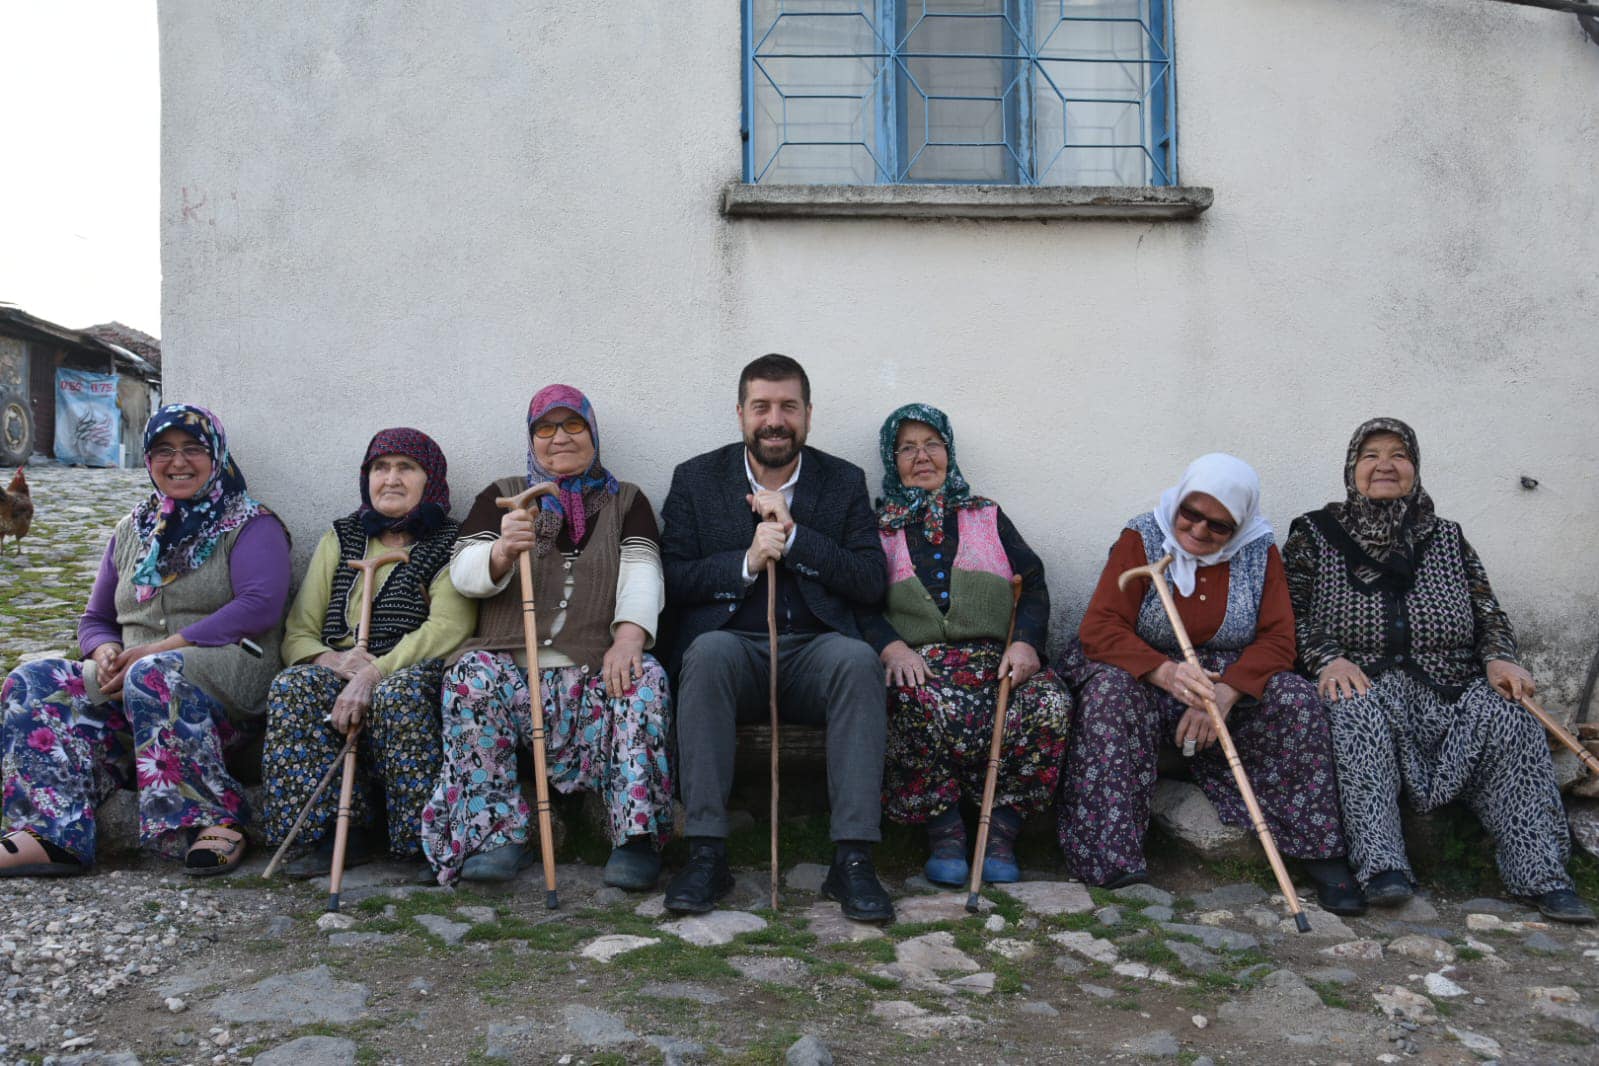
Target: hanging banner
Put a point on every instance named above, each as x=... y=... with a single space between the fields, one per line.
x=86 y=418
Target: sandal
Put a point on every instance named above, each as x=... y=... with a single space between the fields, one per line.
x=46 y=859
x=216 y=850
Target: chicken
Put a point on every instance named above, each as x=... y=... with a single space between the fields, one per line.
x=16 y=510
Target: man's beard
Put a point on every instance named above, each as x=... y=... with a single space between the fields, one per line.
x=774 y=451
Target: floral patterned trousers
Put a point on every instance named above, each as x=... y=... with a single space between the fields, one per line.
x=1283 y=742
x=397 y=754
x=939 y=735
x=614 y=747
x=63 y=756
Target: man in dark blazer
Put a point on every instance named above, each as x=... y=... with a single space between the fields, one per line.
x=821 y=532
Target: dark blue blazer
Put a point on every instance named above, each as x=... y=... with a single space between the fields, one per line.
x=837 y=557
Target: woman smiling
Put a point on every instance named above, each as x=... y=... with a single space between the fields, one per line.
x=392 y=688
x=1134 y=690
x=164 y=687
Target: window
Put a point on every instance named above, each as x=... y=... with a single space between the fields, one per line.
x=1011 y=92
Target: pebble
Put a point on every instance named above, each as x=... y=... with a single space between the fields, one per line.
x=936 y=952
x=808 y=1051
x=1425 y=948
x=995 y=923
x=1442 y=987
x=334 y=921
x=1200 y=1021
x=1046 y=898
x=1145 y=894
x=1214 y=937
x=714 y=929
x=1109 y=915
x=175 y=1005
x=441 y=927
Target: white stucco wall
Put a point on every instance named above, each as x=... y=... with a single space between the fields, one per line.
x=403 y=214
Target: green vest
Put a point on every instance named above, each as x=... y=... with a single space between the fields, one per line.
x=979 y=594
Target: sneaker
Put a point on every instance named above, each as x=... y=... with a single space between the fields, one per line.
x=1563 y=905
x=852 y=881
x=999 y=856
x=705 y=879
x=1391 y=888
x=947 y=864
x=635 y=866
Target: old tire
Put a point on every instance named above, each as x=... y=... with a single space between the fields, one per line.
x=16 y=429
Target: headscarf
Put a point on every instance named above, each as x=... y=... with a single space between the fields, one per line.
x=1235 y=485
x=178 y=536
x=1386 y=531
x=902 y=504
x=434 y=507
x=580 y=495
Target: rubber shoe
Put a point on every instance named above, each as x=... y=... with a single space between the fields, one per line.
x=1563 y=905
x=999 y=856
x=633 y=867
x=1391 y=888
x=852 y=881
x=947 y=865
x=360 y=849
x=498 y=864
x=698 y=886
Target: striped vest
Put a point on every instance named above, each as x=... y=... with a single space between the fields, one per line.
x=402 y=604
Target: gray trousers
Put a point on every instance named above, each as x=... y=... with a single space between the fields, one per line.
x=824 y=680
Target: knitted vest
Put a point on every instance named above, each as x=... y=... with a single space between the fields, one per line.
x=979 y=585
x=575 y=598
x=229 y=674
x=1246 y=583
x=401 y=604
x=1428 y=630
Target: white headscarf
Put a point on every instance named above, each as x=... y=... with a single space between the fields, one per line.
x=1236 y=486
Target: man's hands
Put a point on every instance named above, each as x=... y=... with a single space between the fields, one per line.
x=770 y=542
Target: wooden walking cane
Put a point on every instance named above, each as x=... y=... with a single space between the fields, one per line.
x=363 y=632
x=1560 y=734
x=523 y=501
x=316 y=794
x=991 y=780
x=1156 y=572
x=771 y=647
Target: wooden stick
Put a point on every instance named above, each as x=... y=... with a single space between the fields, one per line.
x=363 y=631
x=771 y=645
x=316 y=794
x=1157 y=576
x=1559 y=733
x=522 y=501
x=991 y=780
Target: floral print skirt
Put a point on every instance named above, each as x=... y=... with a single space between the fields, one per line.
x=616 y=748
x=398 y=754
x=63 y=755
x=939 y=735
x=1283 y=743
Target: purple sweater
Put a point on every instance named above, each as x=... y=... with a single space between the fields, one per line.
x=259 y=569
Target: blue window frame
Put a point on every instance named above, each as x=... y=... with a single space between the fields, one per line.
x=1017 y=92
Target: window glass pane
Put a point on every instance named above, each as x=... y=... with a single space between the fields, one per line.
x=958 y=59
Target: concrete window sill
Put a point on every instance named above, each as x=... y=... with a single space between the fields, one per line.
x=1098 y=203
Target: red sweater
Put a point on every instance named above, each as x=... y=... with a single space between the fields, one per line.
x=1109 y=633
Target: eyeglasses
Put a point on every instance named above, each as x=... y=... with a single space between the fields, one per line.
x=933 y=449
x=191 y=452
x=573 y=426
x=1194 y=518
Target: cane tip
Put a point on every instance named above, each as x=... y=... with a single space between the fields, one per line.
x=550 y=900
x=971 y=903
x=333 y=903
x=1301 y=922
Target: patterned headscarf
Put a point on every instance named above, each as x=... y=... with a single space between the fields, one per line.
x=1386 y=530
x=902 y=504
x=1232 y=483
x=434 y=507
x=178 y=536
x=580 y=495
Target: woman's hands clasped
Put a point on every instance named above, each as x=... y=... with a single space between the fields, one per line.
x=353 y=703
x=1192 y=687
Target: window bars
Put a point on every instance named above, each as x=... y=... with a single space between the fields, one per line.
x=1018 y=92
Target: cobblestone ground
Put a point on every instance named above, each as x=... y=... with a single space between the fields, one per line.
x=138 y=964
x=43 y=590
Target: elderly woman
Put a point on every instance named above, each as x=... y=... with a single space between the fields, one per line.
x=941 y=637
x=595 y=553
x=391 y=688
x=180 y=639
x=1417 y=662
x=1134 y=689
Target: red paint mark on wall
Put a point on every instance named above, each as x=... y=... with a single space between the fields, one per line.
x=191 y=208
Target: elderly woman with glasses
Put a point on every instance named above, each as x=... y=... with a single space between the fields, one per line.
x=1417 y=662
x=941 y=637
x=392 y=686
x=180 y=640
x=1135 y=690
x=595 y=553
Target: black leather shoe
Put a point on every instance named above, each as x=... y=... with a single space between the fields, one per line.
x=853 y=882
x=698 y=886
x=1563 y=905
x=1391 y=888
x=361 y=847
x=1125 y=878
x=1336 y=889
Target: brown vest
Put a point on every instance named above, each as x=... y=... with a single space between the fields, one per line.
x=575 y=599
x=228 y=674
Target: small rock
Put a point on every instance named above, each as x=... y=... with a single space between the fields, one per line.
x=715 y=928
x=595 y=1028
x=610 y=896
x=935 y=951
x=1160 y=1044
x=1087 y=945
x=1109 y=915
x=1213 y=937
x=653 y=907
x=1193 y=957
x=806 y=877
x=1142 y=971
x=1145 y=894
x=1223 y=917
x=1416 y=909
x=943 y=907
x=1483 y=923
x=1262 y=917
x=980 y=984
x=1442 y=987
x=808 y=1051
x=1359 y=950
x=1425 y=948
x=1067 y=964
x=1323 y=926
x=1097 y=991
x=676 y=1051
x=302 y=998
x=1159 y=913
x=278 y=926
x=477 y=915
x=359 y=940
x=1200 y=1021
x=995 y=923
x=421 y=985
x=1014 y=950
x=1483 y=1047
x=1332 y=975
x=606 y=948
x=772 y=969
x=829 y=926
x=1397 y=1002
x=1543 y=944
x=333 y=921
x=441 y=927
x=503 y=1040
x=1051 y=897
x=1043 y=1010
x=310 y=1051
x=1236 y=895
x=175 y=1005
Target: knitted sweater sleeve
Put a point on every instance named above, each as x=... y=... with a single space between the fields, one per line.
x=1317 y=647
x=1495 y=637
